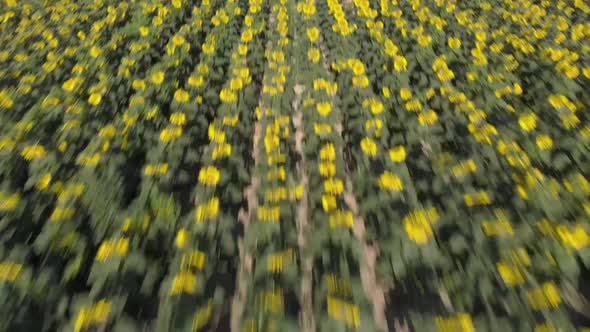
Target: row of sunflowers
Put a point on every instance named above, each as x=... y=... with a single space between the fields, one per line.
x=330 y=165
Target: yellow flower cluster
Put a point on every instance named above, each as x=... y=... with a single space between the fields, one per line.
x=33 y=152
x=341 y=26
x=203 y=315
x=221 y=16
x=113 y=248
x=63 y=210
x=307 y=7
x=544 y=297
x=69 y=191
x=61 y=213
x=398 y=154
x=338 y=286
x=478 y=127
x=464 y=168
x=459 y=323
x=181 y=96
x=193 y=260
x=177 y=41
x=209 y=176
x=577 y=183
x=184 y=282
x=322 y=84
x=95 y=314
x=9 y=202
x=170 y=134
x=427 y=118
x=269 y=213
x=369 y=146
x=9 y=271
x=44 y=181
x=208 y=210
x=270 y=301
x=88 y=160
x=439 y=66
x=478 y=198
x=566 y=110
x=7 y=144
x=390 y=182
x=575 y=237
x=499 y=226
x=5 y=100
x=157 y=169
x=344 y=311
x=276 y=262
x=333 y=187
x=512 y=275
x=277 y=174
x=341 y=219
x=220 y=151
x=512 y=269
x=209 y=45
x=215 y=135
x=180 y=240
x=418 y=224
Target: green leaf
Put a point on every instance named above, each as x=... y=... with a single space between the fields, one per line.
x=72 y=268
x=458 y=244
x=124 y=324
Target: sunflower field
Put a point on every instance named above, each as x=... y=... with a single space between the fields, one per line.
x=306 y=165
